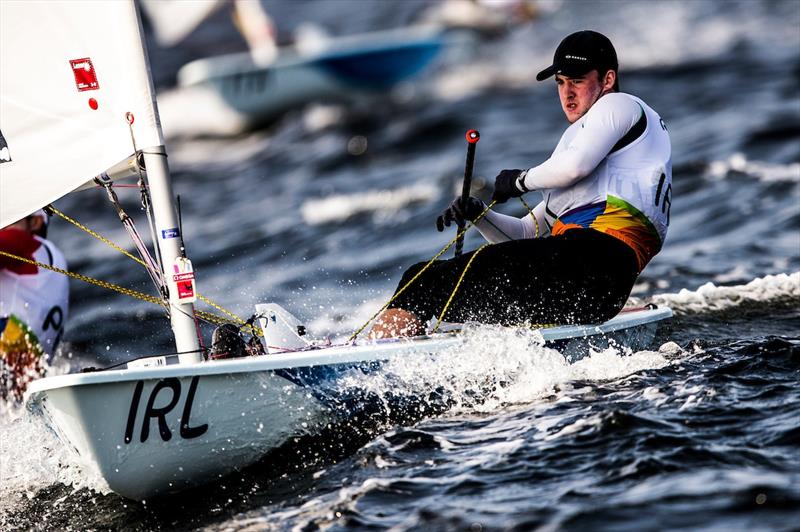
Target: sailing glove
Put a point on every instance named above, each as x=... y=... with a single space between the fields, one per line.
x=509 y=184
x=454 y=213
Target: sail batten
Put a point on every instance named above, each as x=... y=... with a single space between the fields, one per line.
x=65 y=90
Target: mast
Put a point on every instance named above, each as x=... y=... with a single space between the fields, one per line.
x=169 y=247
x=165 y=218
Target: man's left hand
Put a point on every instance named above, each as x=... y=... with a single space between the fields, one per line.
x=505 y=186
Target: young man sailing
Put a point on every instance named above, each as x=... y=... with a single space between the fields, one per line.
x=607 y=191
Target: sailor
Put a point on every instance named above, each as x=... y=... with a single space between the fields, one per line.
x=33 y=303
x=607 y=192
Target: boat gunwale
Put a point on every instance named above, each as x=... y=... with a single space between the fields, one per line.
x=371 y=351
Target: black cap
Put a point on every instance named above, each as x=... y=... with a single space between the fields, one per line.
x=580 y=53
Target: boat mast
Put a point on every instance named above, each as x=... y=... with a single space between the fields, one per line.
x=165 y=219
x=169 y=247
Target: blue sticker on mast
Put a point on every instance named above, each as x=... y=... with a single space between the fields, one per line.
x=170 y=233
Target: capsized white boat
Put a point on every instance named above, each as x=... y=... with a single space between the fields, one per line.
x=85 y=97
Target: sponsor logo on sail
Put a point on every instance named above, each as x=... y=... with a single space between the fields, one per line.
x=85 y=76
x=5 y=155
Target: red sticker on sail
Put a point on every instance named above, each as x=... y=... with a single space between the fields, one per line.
x=85 y=76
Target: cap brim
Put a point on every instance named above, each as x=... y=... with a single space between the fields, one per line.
x=571 y=71
x=546 y=73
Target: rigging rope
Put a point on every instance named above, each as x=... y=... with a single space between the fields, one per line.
x=145 y=199
x=233 y=318
x=97 y=282
x=419 y=273
x=153 y=270
x=436 y=257
x=205 y=316
x=458 y=284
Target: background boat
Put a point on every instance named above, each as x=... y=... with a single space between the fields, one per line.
x=236 y=93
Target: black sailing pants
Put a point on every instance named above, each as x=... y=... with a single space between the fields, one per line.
x=580 y=276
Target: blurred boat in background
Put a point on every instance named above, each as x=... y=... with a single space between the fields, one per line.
x=227 y=94
x=234 y=92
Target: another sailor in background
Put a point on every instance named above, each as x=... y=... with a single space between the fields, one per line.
x=487 y=17
x=174 y=20
x=607 y=192
x=257 y=29
x=33 y=303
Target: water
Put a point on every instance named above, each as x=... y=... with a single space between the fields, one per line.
x=699 y=433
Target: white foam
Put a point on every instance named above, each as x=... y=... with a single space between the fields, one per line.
x=763 y=171
x=495 y=367
x=737 y=273
x=32 y=458
x=494 y=364
x=492 y=369
x=384 y=203
x=704 y=483
x=710 y=297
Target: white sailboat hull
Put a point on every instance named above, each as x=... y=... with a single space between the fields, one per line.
x=232 y=420
x=155 y=430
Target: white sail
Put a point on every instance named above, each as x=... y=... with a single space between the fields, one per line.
x=70 y=72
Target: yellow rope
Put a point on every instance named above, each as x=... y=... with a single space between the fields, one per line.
x=90 y=280
x=94 y=234
x=234 y=317
x=458 y=284
x=410 y=282
x=207 y=316
x=530 y=211
x=403 y=289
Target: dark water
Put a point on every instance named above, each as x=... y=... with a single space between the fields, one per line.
x=701 y=433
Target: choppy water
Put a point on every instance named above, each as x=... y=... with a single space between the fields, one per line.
x=701 y=433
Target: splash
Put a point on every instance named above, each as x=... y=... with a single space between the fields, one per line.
x=31 y=455
x=494 y=367
x=710 y=297
x=32 y=458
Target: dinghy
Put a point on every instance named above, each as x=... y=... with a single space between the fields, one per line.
x=84 y=98
x=153 y=430
x=239 y=92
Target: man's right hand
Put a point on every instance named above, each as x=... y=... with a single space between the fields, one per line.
x=455 y=213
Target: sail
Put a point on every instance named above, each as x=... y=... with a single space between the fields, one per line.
x=70 y=74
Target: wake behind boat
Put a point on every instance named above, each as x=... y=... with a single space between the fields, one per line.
x=163 y=424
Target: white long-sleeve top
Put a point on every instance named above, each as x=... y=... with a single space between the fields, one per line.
x=611 y=171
